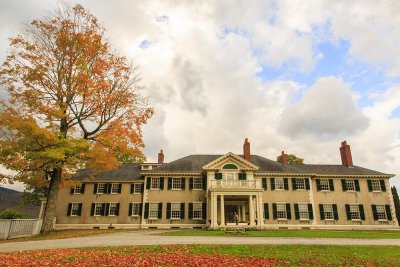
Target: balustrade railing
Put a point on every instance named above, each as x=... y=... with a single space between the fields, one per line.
x=245 y=184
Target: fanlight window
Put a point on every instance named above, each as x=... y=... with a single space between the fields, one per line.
x=230 y=167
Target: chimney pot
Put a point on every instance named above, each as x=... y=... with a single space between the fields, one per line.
x=161 y=157
x=246 y=149
x=345 y=154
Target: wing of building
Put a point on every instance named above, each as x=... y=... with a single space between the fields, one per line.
x=199 y=191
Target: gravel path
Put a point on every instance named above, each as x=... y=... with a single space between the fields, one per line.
x=148 y=238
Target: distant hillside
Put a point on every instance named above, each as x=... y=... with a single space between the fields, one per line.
x=12 y=199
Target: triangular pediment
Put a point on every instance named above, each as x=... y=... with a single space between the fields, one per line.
x=230 y=158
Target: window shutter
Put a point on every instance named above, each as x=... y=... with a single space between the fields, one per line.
x=132 y=188
x=357 y=185
x=218 y=176
x=130 y=209
x=105 y=207
x=272 y=184
x=274 y=211
x=146 y=210
x=288 y=212
x=383 y=186
x=117 y=213
x=240 y=176
x=369 y=182
x=119 y=188
x=148 y=183
x=344 y=185
x=244 y=176
x=69 y=209
x=168 y=210
x=72 y=190
x=191 y=183
x=307 y=183
x=266 y=211
x=92 y=209
x=348 y=214
x=169 y=183
x=108 y=188
x=203 y=210
x=161 y=183
x=335 y=212
x=294 y=185
x=318 y=181
x=331 y=186
x=83 y=188
x=264 y=183
x=374 y=212
x=160 y=210
x=321 y=212
x=286 y=183
x=310 y=212
x=296 y=211
x=95 y=189
x=362 y=214
x=141 y=188
x=388 y=213
x=183 y=185
x=80 y=209
x=190 y=210
x=182 y=210
x=205 y=182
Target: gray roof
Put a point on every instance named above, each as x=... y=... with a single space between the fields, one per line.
x=125 y=172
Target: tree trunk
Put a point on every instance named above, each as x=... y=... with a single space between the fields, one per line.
x=50 y=210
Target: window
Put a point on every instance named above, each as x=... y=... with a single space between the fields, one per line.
x=115 y=188
x=175 y=210
x=328 y=211
x=197 y=211
x=354 y=212
x=324 y=185
x=300 y=183
x=381 y=212
x=176 y=183
x=98 y=209
x=376 y=185
x=303 y=211
x=229 y=176
x=155 y=183
x=350 y=186
x=78 y=189
x=135 y=209
x=75 y=209
x=101 y=188
x=113 y=209
x=281 y=211
x=197 y=183
x=137 y=188
x=153 y=210
x=279 y=184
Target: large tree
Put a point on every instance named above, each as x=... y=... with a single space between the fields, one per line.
x=72 y=103
x=396 y=201
x=292 y=159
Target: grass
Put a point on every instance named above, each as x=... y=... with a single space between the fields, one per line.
x=374 y=234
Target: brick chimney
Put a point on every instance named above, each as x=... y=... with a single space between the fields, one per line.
x=284 y=158
x=345 y=154
x=161 y=157
x=246 y=149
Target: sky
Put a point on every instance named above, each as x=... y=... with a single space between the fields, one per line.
x=298 y=76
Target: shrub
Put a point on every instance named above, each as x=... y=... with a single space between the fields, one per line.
x=10 y=214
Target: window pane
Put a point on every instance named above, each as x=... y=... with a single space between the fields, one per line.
x=300 y=183
x=376 y=185
x=197 y=183
x=281 y=211
x=279 y=183
x=113 y=209
x=75 y=209
x=381 y=212
x=328 y=212
x=324 y=183
x=176 y=183
x=155 y=183
x=175 y=210
x=78 y=189
x=197 y=210
x=136 y=209
x=137 y=188
x=350 y=185
x=303 y=211
x=101 y=188
x=114 y=188
x=354 y=212
x=98 y=209
x=153 y=210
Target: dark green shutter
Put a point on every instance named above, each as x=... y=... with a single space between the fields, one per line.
x=286 y=183
x=272 y=184
x=140 y=209
x=162 y=183
x=288 y=212
x=105 y=207
x=274 y=211
x=92 y=209
x=80 y=209
x=117 y=212
x=264 y=183
x=182 y=210
x=168 y=210
x=190 y=183
x=374 y=212
x=294 y=185
x=141 y=188
x=72 y=190
x=130 y=209
x=132 y=188
x=383 y=186
x=159 y=210
x=331 y=186
x=190 y=210
x=318 y=181
x=296 y=211
x=218 y=176
x=310 y=212
x=244 y=176
x=183 y=183
x=108 y=186
x=146 y=210
x=203 y=210
x=205 y=182
x=357 y=185
x=240 y=176
x=321 y=212
x=266 y=211
x=388 y=213
x=344 y=185
x=83 y=188
x=307 y=181
x=369 y=182
x=362 y=214
x=348 y=214
x=119 y=188
x=335 y=212
x=169 y=183
x=69 y=209
x=95 y=189
x=148 y=183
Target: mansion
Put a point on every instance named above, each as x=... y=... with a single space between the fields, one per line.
x=219 y=191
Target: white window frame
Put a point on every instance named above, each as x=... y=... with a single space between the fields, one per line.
x=175 y=211
x=136 y=209
x=279 y=184
x=197 y=211
x=114 y=189
x=381 y=212
x=176 y=183
x=153 y=210
x=300 y=183
x=98 y=207
x=328 y=212
x=103 y=187
x=355 y=212
x=281 y=213
x=376 y=185
x=197 y=183
x=137 y=189
x=350 y=183
x=77 y=189
x=303 y=211
x=74 y=207
x=112 y=209
x=230 y=175
x=155 y=183
x=324 y=185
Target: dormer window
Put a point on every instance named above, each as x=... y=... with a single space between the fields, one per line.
x=230 y=167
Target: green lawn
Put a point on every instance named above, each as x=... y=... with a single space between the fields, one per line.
x=386 y=234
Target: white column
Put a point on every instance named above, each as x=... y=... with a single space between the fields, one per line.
x=214 y=213
x=251 y=210
x=244 y=212
x=222 y=207
x=261 y=210
x=260 y=216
